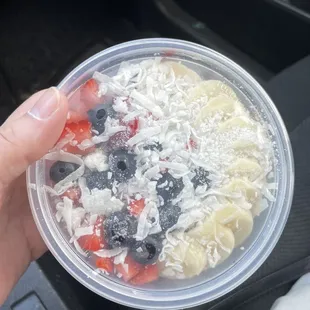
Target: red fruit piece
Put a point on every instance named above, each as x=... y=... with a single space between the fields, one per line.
x=148 y=274
x=119 y=140
x=168 y=53
x=90 y=242
x=192 y=144
x=133 y=126
x=73 y=193
x=129 y=269
x=77 y=109
x=81 y=131
x=89 y=93
x=95 y=241
x=105 y=263
x=136 y=207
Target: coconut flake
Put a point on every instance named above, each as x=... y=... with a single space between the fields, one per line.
x=93 y=219
x=120 y=259
x=144 y=134
x=79 y=249
x=147 y=103
x=144 y=225
x=84 y=231
x=174 y=166
x=67 y=214
x=97 y=161
x=108 y=253
x=120 y=105
x=85 y=144
x=152 y=172
x=101 y=202
x=66 y=183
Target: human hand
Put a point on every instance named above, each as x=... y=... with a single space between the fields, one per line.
x=25 y=137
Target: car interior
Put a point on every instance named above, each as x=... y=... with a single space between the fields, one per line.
x=42 y=41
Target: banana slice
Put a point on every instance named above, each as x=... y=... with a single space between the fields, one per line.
x=243 y=187
x=190 y=255
x=195 y=259
x=240 y=221
x=210 y=89
x=204 y=232
x=245 y=167
x=216 y=238
x=221 y=104
x=181 y=70
x=225 y=241
x=240 y=121
x=244 y=146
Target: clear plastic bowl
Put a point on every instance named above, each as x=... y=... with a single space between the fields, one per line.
x=244 y=261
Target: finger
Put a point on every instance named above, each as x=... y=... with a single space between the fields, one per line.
x=30 y=136
x=25 y=107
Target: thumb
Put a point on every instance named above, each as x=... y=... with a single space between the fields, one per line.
x=26 y=138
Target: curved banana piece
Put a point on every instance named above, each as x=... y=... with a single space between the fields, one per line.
x=181 y=70
x=225 y=241
x=240 y=221
x=210 y=89
x=190 y=255
x=240 y=121
x=204 y=232
x=244 y=167
x=244 y=145
x=216 y=238
x=243 y=187
x=222 y=104
x=195 y=259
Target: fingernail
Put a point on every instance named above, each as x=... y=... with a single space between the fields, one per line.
x=47 y=105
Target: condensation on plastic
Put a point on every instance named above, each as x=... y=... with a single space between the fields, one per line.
x=169 y=294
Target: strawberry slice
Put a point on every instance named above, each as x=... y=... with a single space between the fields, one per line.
x=105 y=263
x=95 y=241
x=81 y=131
x=136 y=207
x=148 y=274
x=77 y=109
x=129 y=269
x=192 y=144
x=89 y=93
x=73 y=193
x=133 y=126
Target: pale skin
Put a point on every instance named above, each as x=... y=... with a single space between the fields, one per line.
x=25 y=137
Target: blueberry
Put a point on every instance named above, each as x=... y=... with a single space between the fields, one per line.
x=100 y=180
x=61 y=170
x=154 y=146
x=201 y=177
x=168 y=187
x=99 y=115
x=120 y=228
x=146 y=251
x=168 y=216
x=123 y=165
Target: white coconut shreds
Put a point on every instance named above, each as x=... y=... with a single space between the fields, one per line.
x=120 y=258
x=67 y=182
x=79 y=249
x=190 y=137
x=144 y=223
x=101 y=202
x=84 y=231
x=71 y=216
x=97 y=160
x=108 y=253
